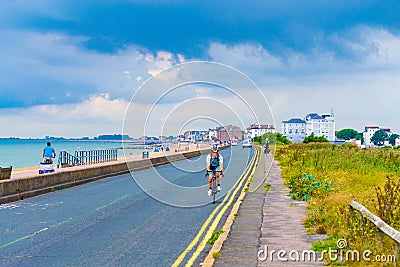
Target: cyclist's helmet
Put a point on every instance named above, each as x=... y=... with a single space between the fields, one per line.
x=214 y=148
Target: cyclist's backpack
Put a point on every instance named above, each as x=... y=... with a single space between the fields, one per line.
x=214 y=162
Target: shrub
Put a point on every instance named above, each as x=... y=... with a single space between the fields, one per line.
x=306 y=187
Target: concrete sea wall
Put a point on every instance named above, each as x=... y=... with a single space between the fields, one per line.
x=17 y=189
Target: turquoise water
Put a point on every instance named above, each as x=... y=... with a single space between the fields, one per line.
x=25 y=153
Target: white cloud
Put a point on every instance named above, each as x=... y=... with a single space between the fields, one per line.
x=96 y=115
x=362 y=89
x=162 y=60
x=57 y=63
x=253 y=55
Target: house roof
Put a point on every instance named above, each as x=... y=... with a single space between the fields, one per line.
x=295 y=120
x=228 y=128
x=260 y=126
x=314 y=116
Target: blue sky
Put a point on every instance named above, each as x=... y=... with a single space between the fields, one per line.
x=71 y=67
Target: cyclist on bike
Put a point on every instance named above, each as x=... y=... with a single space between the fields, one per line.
x=214 y=162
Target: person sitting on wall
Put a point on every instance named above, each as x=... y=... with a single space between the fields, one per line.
x=48 y=153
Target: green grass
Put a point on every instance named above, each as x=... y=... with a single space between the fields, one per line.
x=328 y=177
x=267 y=187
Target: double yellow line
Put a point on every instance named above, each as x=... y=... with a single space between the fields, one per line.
x=224 y=205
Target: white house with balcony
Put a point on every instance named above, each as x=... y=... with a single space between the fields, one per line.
x=297 y=129
x=258 y=129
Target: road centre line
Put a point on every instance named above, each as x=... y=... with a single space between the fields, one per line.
x=207 y=222
x=35 y=233
x=227 y=227
x=113 y=202
x=202 y=229
x=214 y=225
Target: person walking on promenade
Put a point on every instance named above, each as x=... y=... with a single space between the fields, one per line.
x=48 y=153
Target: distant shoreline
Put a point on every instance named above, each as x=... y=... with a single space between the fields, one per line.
x=130 y=141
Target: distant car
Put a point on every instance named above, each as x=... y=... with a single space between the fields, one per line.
x=234 y=142
x=246 y=143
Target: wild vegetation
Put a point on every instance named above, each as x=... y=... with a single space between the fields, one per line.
x=273 y=139
x=328 y=177
x=313 y=139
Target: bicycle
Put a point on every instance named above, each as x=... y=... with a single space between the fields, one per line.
x=214 y=190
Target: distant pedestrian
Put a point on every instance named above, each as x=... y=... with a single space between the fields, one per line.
x=48 y=153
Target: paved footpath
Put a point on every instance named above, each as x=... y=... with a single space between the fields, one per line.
x=266 y=222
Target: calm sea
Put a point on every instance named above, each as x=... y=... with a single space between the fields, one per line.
x=26 y=153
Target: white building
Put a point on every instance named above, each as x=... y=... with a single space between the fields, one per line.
x=212 y=134
x=369 y=131
x=397 y=142
x=257 y=129
x=194 y=135
x=297 y=129
x=323 y=125
x=294 y=130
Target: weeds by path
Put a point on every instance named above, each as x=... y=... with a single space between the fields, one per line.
x=328 y=177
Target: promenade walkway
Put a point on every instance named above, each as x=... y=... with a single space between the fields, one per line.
x=26 y=172
x=266 y=221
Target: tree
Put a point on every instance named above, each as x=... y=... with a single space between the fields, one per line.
x=392 y=139
x=360 y=136
x=347 y=134
x=273 y=138
x=312 y=138
x=280 y=139
x=257 y=139
x=379 y=138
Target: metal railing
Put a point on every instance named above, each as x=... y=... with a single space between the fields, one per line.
x=87 y=157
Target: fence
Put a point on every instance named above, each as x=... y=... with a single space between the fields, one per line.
x=380 y=224
x=87 y=157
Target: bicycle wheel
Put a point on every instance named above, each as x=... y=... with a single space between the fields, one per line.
x=214 y=187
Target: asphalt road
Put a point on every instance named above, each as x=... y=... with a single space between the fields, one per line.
x=111 y=222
